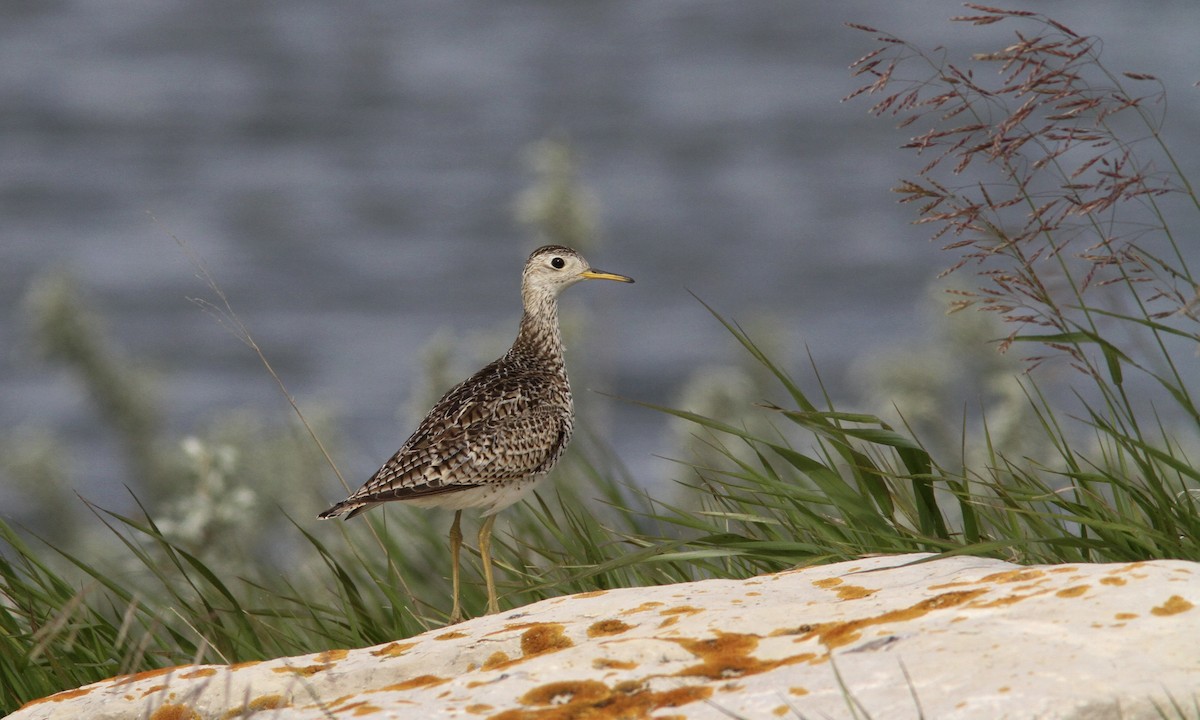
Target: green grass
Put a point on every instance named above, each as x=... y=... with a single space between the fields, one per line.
x=824 y=486
x=1103 y=472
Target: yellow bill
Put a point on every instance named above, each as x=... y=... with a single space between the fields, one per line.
x=601 y=275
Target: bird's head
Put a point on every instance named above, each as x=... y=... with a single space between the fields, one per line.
x=551 y=268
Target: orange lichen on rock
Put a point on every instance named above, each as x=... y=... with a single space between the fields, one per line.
x=682 y=610
x=1007 y=600
x=1009 y=576
x=322 y=661
x=1131 y=568
x=853 y=592
x=330 y=656
x=452 y=635
x=367 y=709
x=610 y=664
x=566 y=693
x=589 y=594
x=844 y=592
x=648 y=605
x=604 y=628
x=341 y=703
x=728 y=655
x=837 y=634
x=725 y=656
x=59 y=697
x=172 y=711
x=262 y=702
x=305 y=671
x=571 y=699
x=393 y=649
x=268 y=702
x=418 y=681
x=1112 y=580
x=538 y=639
x=956 y=583
x=1075 y=591
x=201 y=672
x=1173 y=606
x=544 y=638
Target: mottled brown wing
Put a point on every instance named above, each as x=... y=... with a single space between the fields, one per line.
x=495 y=426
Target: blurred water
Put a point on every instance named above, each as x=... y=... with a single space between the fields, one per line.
x=348 y=171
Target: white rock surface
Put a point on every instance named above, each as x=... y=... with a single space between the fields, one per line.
x=953 y=638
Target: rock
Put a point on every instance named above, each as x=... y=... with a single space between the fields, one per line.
x=887 y=636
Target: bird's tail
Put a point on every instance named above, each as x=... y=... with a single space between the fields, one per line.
x=349 y=508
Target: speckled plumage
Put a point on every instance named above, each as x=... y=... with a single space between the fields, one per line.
x=494 y=435
x=490 y=435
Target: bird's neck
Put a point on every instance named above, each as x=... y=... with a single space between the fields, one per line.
x=539 y=336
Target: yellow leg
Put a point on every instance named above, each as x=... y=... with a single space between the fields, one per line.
x=485 y=557
x=455 y=545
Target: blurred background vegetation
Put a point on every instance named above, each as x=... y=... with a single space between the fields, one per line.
x=950 y=447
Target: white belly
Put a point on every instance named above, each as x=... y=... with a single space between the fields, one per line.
x=492 y=498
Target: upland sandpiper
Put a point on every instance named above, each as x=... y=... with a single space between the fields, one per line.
x=494 y=435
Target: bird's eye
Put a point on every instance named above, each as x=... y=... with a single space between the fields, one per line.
x=558 y=263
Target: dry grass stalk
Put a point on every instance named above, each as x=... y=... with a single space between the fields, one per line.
x=1030 y=179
